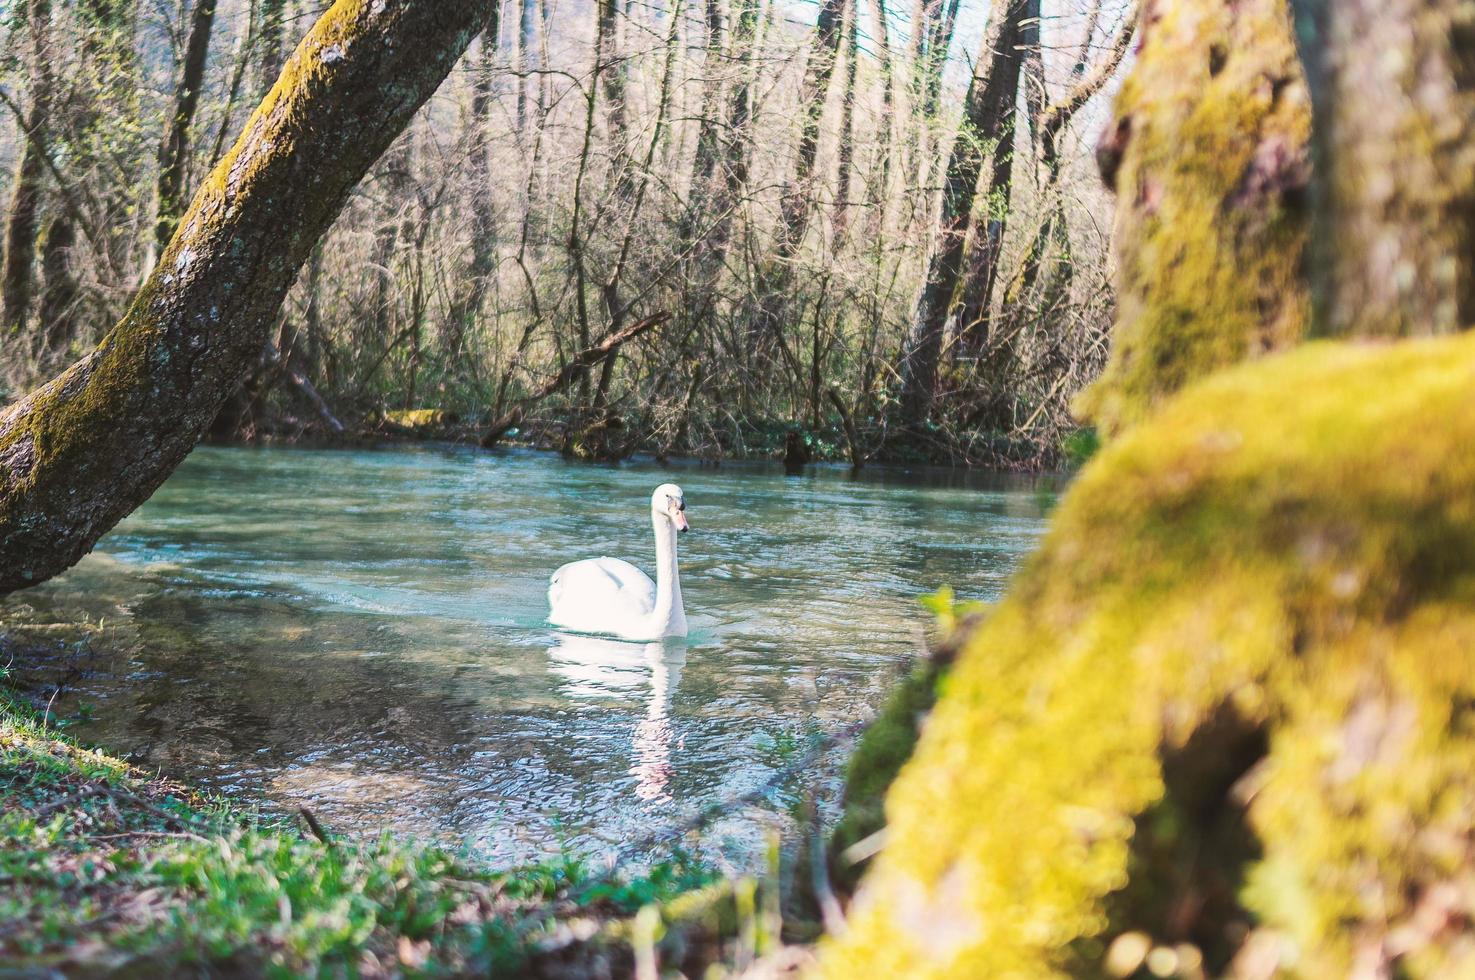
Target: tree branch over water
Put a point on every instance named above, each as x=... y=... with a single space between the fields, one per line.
x=80 y=453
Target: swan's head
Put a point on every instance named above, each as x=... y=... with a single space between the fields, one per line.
x=670 y=502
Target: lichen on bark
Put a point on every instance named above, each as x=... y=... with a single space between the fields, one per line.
x=1207 y=153
x=110 y=429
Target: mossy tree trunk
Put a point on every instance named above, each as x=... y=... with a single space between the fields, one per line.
x=1223 y=716
x=81 y=452
x=1207 y=152
x=1393 y=84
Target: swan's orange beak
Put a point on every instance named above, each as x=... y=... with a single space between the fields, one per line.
x=679 y=518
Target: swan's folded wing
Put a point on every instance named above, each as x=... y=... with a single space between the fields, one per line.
x=601 y=583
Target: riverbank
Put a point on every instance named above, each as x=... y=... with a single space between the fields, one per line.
x=794 y=444
x=108 y=870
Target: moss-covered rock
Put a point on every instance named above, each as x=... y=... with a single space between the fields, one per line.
x=1276 y=572
x=1207 y=152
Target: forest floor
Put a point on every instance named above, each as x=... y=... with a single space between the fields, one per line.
x=106 y=870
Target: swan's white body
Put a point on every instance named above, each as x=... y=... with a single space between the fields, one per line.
x=607 y=595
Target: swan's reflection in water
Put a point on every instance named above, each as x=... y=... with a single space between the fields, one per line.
x=596 y=667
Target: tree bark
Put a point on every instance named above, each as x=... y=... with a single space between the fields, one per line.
x=21 y=220
x=20 y=231
x=273 y=12
x=986 y=123
x=1395 y=230
x=798 y=196
x=1211 y=226
x=845 y=153
x=58 y=311
x=526 y=45
x=709 y=128
x=81 y=452
x=174 y=154
x=483 y=264
x=1044 y=282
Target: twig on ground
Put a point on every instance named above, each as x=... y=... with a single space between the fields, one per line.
x=315 y=827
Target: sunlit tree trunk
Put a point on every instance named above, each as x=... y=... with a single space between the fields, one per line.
x=819 y=70
x=612 y=76
x=845 y=153
x=797 y=203
x=986 y=124
x=467 y=305
x=1045 y=279
x=976 y=342
x=107 y=125
x=527 y=57
x=58 y=312
x=709 y=128
x=23 y=215
x=81 y=452
x=174 y=154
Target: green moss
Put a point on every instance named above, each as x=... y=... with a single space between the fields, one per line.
x=103 y=868
x=886 y=746
x=421 y=419
x=1209 y=145
x=1291 y=542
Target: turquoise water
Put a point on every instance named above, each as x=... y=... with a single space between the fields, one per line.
x=361 y=633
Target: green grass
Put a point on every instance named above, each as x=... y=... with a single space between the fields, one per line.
x=103 y=868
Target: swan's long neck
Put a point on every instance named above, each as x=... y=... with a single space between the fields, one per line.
x=669 y=614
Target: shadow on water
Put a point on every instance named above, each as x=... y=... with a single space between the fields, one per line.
x=362 y=632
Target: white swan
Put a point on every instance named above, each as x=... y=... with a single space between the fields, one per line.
x=607 y=595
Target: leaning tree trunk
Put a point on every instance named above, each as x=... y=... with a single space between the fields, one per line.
x=986 y=123
x=84 y=450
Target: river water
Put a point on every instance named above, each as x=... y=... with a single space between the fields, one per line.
x=362 y=633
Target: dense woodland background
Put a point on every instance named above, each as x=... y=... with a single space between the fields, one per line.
x=877 y=232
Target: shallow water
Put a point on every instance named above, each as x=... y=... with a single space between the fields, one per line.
x=361 y=632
